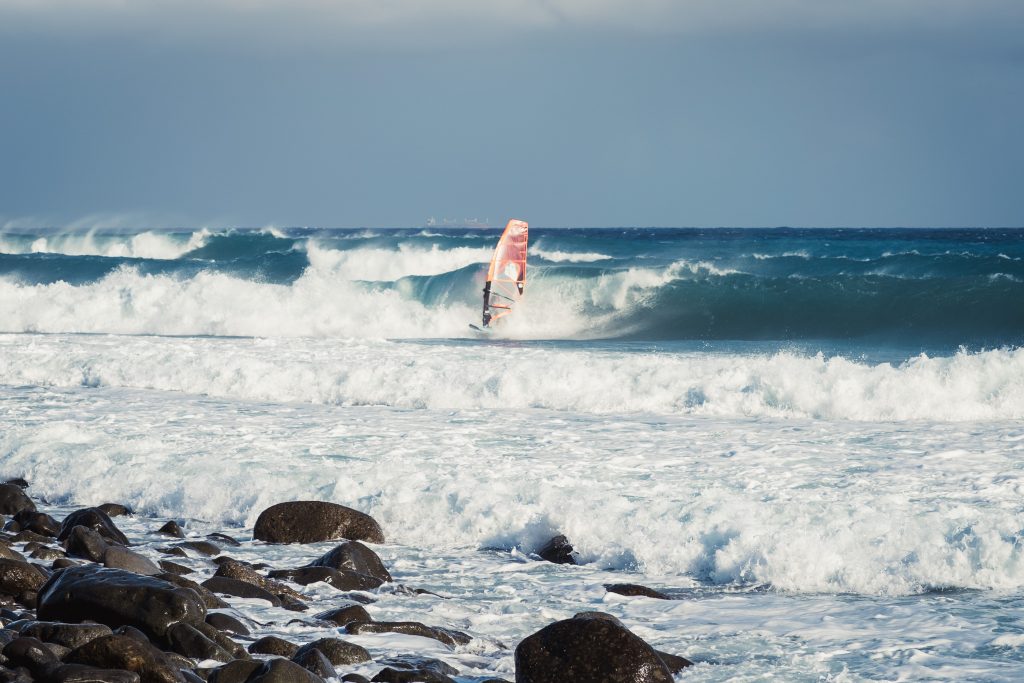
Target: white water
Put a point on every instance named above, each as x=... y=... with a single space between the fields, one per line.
x=152 y=245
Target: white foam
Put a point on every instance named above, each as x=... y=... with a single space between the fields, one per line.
x=558 y=256
x=150 y=244
x=392 y=264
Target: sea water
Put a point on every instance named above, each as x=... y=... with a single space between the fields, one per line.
x=812 y=438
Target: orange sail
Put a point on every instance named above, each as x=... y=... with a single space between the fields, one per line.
x=507 y=274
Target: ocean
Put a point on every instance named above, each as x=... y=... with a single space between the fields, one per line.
x=812 y=438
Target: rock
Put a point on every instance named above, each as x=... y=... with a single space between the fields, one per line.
x=115 y=509
x=236 y=671
x=80 y=673
x=46 y=553
x=30 y=536
x=21 y=581
x=633 y=589
x=124 y=652
x=272 y=645
x=345 y=615
x=236 y=570
x=449 y=637
x=187 y=640
x=337 y=651
x=413 y=668
x=64 y=563
x=313 y=522
x=588 y=647
x=353 y=556
x=355 y=678
x=314 y=661
x=224 y=539
x=675 y=663
x=68 y=635
x=177 y=552
x=118 y=557
x=30 y=653
x=95 y=519
x=226 y=622
x=201 y=547
x=172 y=528
x=8 y=553
x=209 y=599
x=290 y=603
x=20 y=482
x=116 y=598
x=86 y=543
x=239 y=589
x=37 y=522
x=391 y=675
x=282 y=671
x=557 y=550
x=13 y=500
x=174 y=568
x=342 y=580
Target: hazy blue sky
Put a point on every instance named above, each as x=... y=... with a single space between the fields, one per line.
x=562 y=112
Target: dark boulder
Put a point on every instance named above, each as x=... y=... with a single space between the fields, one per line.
x=80 y=673
x=37 y=522
x=186 y=640
x=68 y=635
x=447 y=636
x=95 y=519
x=414 y=668
x=345 y=615
x=115 y=509
x=223 y=539
x=201 y=547
x=21 y=581
x=342 y=580
x=314 y=661
x=119 y=557
x=282 y=671
x=353 y=556
x=236 y=671
x=172 y=528
x=30 y=653
x=117 y=598
x=174 y=568
x=633 y=589
x=337 y=651
x=86 y=543
x=272 y=645
x=226 y=622
x=558 y=550
x=209 y=599
x=127 y=653
x=13 y=500
x=239 y=589
x=588 y=647
x=46 y=553
x=313 y=522
x=232 y=569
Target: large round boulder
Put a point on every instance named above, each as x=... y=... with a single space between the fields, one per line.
x=130 y=654
x=95 y=519
x=13 y=500
x=353 y=556
x=588 y=648
x=311 y=521
x=118 y=598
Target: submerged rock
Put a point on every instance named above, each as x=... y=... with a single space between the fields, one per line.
x=634 y=590
x=558 y=550
x=342 y=580
x=447 y=636
x=313 y=522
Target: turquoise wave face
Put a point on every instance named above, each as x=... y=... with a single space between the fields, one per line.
x=941 y=286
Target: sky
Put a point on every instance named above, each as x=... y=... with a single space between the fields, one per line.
x=344 y=113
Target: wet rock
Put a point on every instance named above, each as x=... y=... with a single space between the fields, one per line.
x=21 y=581
x=172 y=528
x=30 y=653
x=449 y=637
x=342 y=580
x=86 y=543
x=353 y=556
x=633 y=589
x=337 y=651
x=64 y=563
x=177 y=552
x=68 y=635
x=313 y=522
x=239 y=589
x=115 y=509
x=192 y=677
x=558 y=550
x=345 y=615
x=201 y=547
x=13 y=500
x=236 y=570
x=675 y=663
x=118 y=557
x=355 y=678
x=115 y=597
x=9 y=553
x=189 y=641
x=237 y=671
x=174 y=568
x=94 y=519
x=46 y=553
x=588 y=647
x=282 y=671
x=80 y=673
x=124 y=652
x=414 y=668
x=223 y=539
x=290 y=603
x=314 y=661
x=37 y=522
x=226 y=622
x=272 y=645
x=20 y=482
x=209 y=599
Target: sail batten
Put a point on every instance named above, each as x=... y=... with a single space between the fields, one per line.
x=506 y=275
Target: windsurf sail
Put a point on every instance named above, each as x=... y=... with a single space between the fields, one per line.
x=507 y=274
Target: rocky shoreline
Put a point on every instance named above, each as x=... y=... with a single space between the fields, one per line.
x=80 y=603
